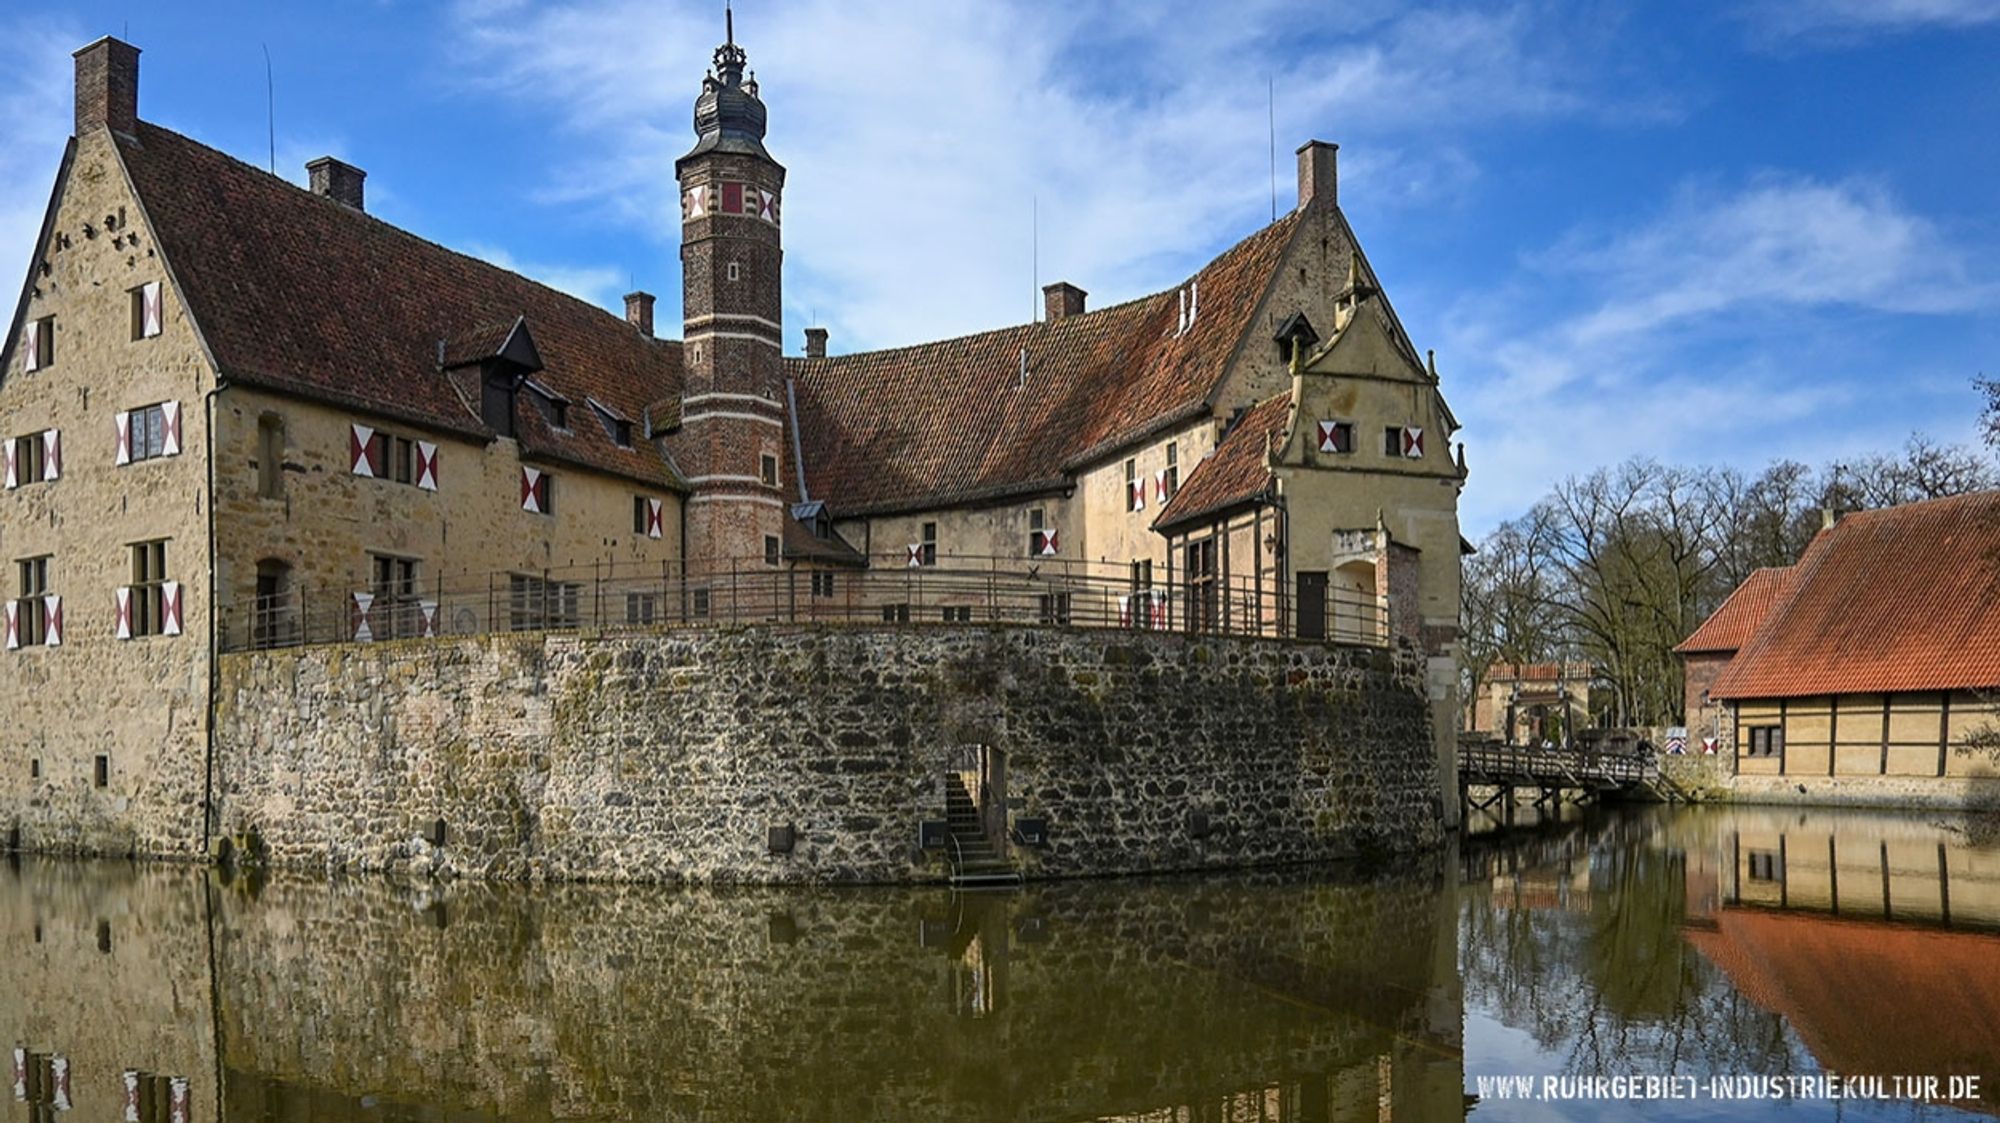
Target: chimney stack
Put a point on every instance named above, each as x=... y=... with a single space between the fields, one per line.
x=337 y=180
x=107 y=87
x=815 y=343
x=639 y=312
x=1062 y=299
x=1317 y=172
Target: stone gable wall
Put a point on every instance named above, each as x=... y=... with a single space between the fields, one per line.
x=671 y=756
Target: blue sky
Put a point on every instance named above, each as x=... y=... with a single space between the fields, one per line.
x=1706 y=234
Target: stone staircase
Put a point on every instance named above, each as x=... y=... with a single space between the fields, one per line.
x=975 y=862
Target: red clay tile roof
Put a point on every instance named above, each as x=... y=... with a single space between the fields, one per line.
x=1736 y=620
x=956 y=420
x=1236 y=472
x=1904 y=598
x=299 y=294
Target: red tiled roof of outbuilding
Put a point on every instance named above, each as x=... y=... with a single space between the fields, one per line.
x=302 y=295
x=1900 y=599
x=1732 y=624
x=1237 y=472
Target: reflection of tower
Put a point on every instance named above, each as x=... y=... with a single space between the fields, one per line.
x=733 y=419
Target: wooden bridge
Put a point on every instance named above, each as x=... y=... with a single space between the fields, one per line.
x=1551 y=772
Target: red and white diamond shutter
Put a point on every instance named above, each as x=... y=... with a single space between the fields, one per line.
x=131 y=1095
x=1160 y=608
x=149 y=310
x=177 y=1100
x=123 y=627
x=360 y=630
x=13 y=610
x=170 y=413
x=361 y=450
x=124 y=423
x=7 y=453
x=1413 y=443
x=1049 y=545
x=52 y=612
x=31 y=346
x=170 y=608
x=427 y=466
x=1137 y=498
x=51 y=454
x=1329 y=436
x=1125 y=606
x=1160 y=486
x=534 y=489
x=656 y=519
x=916 y=554
x=427 y=616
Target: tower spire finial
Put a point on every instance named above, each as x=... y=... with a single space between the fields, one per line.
x=728 y=23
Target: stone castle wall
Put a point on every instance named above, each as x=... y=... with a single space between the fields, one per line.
x=675 y=756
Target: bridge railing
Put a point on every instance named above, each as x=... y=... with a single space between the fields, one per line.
x=609 y=598
x=1528 y=763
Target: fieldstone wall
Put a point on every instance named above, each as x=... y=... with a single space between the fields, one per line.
x=679 y=756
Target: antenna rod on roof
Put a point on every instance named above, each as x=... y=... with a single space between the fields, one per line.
x=1035 y=257
x=271 y=107
x=1272 y=106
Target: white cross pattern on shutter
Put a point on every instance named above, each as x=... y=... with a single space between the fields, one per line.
x=359 y=450
x=171 y=413
x=124 y=422
x=123 y=627
x=52 y=610
x=51 y=454
x=362 y=632
x=427 y=466
x=7 y=452
x=1413 y=443
x=149 y=302
x=13 y=624
x=170 y=608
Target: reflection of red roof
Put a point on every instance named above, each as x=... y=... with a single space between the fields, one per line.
x=1237 y=471
x=1869 y=998
x=1898 y=599
x=1732 y=624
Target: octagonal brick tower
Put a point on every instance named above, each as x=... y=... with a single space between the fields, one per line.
x=733 y=443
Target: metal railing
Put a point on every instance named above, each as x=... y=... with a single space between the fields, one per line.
x=606 y=598
x=1526 y=764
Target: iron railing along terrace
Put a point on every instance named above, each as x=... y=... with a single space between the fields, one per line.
x=605 y=598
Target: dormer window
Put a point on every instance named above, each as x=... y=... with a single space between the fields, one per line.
x=616 y=425
x=496 y=403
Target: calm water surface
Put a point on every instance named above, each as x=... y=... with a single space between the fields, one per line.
x=1686 y=943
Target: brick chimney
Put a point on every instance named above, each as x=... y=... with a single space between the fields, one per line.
x=337 y=180
x=107 y=86
x=815 y=343
x=1317 y=172
x=1062 y=299
x=639 y=311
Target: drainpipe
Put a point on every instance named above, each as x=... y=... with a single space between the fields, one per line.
x=208 y=823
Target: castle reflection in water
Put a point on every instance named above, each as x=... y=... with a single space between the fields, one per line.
x=1743 y=941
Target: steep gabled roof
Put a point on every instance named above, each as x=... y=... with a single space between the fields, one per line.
x=1237 y=472
x=964 y=419
x=1904 y=598
x=302 y=295
x=1737 y=619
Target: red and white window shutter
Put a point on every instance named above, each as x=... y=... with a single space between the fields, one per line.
x=1413 y=443
x=916 y=550
x=1045 y=542
x=170 y=413
x=13 y=624
x=124 y=423
x=1329 y=436
x=361 y=632
x=361 y=450
x=1137 y=499
x=149 y=310
x=427 y=617
x=427 y=466
x=7 y=453
x=534 y=490
x=31 y=346
x=170 y=608
x=123 y=628
x=1160 y=486
x=52 y=612
x=51 y=454
x=656 y=518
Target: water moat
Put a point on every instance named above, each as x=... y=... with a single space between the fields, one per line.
x=1684 y=942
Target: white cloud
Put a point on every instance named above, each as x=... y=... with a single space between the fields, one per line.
x=597 y=284
x=35 y=74
x=1847 y=19
x=919 y=142
x=1734 y=327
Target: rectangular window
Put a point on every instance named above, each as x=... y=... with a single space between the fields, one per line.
x=1142 y=575
x=895 y=614
x=403 y=460
x=699 y=604
x=1135 y=499
x=1766 y=740
x=1204 y=594
x=149 y=432
x=102 y=775
x=394 y=612
x=771 y=550
x=496 y=403
x=822 y=583
x=1038 y=532
x=927 y=549
x=31 y=610
x=1336 y=436
x=271 y=456
x=1392 y=441
x=1172 y=478
x=146 y=310
x=642 y=515
x=1764 y=865
x=1053 y=608
x=30 y=467
x=957 y=613
x=149 y=574
x=767 y=470
x=534 y=604
x=641 y=609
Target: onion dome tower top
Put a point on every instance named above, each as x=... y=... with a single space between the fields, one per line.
x=728 y=117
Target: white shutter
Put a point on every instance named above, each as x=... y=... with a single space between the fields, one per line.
x=52 y=454
x=427 y=462
x=52 y=607
x=7 y=453
x=531 y=489
x=362 y=632
x=1413 y=443
x=358 y=439
x=171 y=411
x=124 y=421
x=31 y=346
x=149 y=301
x=13 y=624
x=123 y=628
x=170 y=602
x=656 y=523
